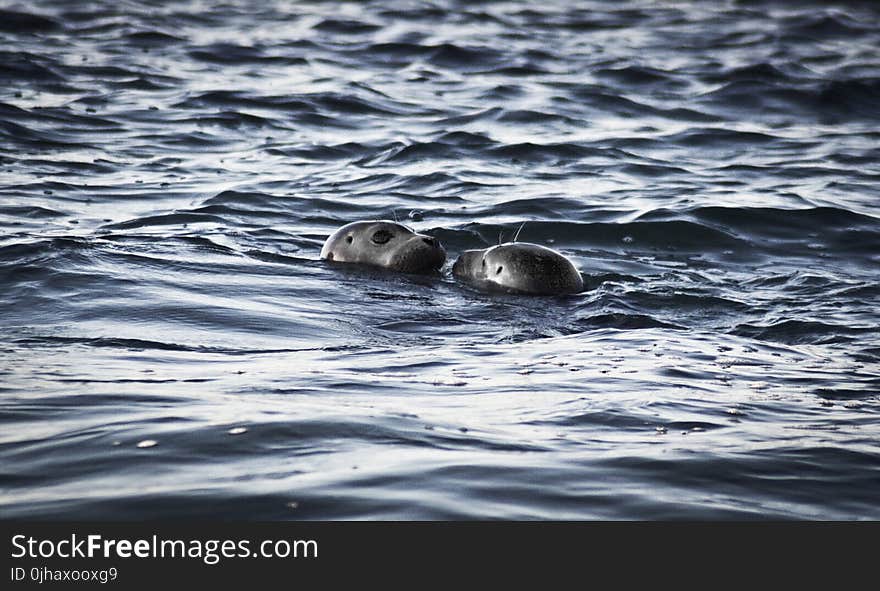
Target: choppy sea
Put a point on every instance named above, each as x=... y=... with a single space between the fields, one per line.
x=172 y=345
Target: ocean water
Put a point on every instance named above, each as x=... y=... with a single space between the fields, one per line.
x=171 y=345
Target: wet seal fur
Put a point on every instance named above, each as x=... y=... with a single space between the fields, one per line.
x=519 y=267
x=387 y=244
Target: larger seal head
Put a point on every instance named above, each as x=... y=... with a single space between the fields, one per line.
x=384 y=243
x=519 y=267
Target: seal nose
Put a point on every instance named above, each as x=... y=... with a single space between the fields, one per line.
x=432 y=242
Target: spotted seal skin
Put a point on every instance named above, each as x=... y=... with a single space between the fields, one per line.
x=387 y=244
x=519 y=267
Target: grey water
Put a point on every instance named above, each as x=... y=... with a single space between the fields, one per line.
x=171 y=344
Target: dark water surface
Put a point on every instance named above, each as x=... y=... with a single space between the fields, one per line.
x=172 y=345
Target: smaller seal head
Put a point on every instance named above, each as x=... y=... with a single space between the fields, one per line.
x=384 y=243
x=519 y=267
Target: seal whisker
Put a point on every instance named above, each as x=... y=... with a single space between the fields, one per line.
x=515 y=236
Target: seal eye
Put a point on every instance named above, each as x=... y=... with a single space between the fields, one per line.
x=498 y=270
x=381 y=237
x=349 y=239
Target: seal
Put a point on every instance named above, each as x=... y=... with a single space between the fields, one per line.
x=519 y=267
x=383 y=243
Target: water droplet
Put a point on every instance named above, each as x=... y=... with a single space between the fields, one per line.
x=237 y=430
x=147 y=443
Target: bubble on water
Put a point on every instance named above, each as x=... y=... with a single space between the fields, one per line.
x=628 y=239
x=416 y=215
x=147 y=443
x=237 y=430
x=660 y=430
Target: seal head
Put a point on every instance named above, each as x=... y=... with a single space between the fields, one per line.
x=386 y=244
x=519 y=267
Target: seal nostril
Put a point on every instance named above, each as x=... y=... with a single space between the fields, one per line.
x=349 y=239
x=498 y=270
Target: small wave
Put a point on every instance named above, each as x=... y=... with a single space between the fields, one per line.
x=843 y=99
x=228 y=53
x=460 y=57
x=621 y=321
x=794 y=332
x=170 y=219
x=152 y=39
x=533 y=152
x=26 y=22
x=839 y=228
x=21 y=65
x=825 y=25
x=666 y=235
x=346 y=27
x=146 y=345
x=639 y=76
